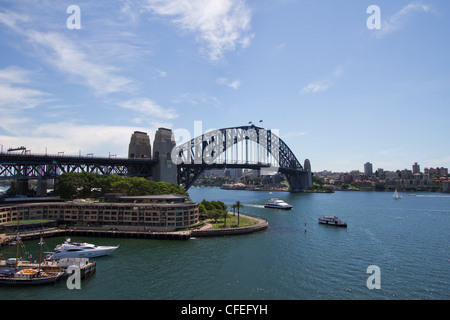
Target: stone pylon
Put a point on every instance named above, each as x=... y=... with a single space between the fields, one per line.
x=140 y=146
x=163 y=144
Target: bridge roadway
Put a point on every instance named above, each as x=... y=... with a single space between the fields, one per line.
x=34 y=166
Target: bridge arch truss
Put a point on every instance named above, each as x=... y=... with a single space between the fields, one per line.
x=249 y=147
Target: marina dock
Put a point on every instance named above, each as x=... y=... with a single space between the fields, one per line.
x=85 y=232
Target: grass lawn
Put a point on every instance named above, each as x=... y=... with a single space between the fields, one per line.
x=232 y=222
x=26 y=221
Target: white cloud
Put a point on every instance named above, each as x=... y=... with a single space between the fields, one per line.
x=197 y=99
x=71 y=59
x=148 y=108
x=220 y=25
x=15 y=98
x=293 y=134
x=322 y=84
x=235 y=84
x=278 y=49
x=82 y=65
x=398 y=20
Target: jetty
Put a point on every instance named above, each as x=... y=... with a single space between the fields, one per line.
x=97 y=232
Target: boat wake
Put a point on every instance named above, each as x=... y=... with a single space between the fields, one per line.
x=255 y=205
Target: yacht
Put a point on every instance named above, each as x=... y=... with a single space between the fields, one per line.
x=275 y=203
x=333 y=221
x=397 y=196
x=71 y=249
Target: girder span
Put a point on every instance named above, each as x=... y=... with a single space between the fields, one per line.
x=239 y=147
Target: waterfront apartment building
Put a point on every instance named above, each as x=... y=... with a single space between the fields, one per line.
x=415 y=168
x=156 y=213
x=368 y=169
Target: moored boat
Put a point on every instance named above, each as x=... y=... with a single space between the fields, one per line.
x=332 y=221
x=71 y=249
x=27 y=277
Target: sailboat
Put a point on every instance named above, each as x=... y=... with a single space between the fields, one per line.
x=396 y=195
x=13 y=276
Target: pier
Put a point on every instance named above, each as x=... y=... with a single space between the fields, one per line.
x=85 y=232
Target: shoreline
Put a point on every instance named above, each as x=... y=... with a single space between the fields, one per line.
x=208 y=231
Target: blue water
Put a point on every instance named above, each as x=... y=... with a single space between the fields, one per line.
x=407 y=239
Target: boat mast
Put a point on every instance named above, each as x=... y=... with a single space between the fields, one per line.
x=17 y=241
x=40 y=253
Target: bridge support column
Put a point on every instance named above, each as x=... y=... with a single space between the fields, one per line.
x=22 y=187
x=299 y=181
x=41 y=189
x=163 y=144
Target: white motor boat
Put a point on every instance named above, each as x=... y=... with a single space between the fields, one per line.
x=71 y=249
x=275 y=203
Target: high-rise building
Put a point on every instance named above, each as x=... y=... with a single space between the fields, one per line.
x=368 y=169
x=415 y=168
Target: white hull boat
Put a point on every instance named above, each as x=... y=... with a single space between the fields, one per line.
x=332 y=221
x=277 y=204
x=71 y=249
x=396 y=195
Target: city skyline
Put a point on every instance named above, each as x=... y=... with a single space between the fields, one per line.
x=337 y=92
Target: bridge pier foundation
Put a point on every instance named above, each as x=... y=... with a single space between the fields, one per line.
x=22 y=187
x=41 y=189
x=299 y=181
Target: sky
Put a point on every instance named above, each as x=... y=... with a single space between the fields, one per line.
x=80 y=77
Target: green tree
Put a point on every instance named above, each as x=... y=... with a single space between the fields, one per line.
x=225 y=216
x=214 y=214
x=238 y=206
x=233 y=206
x=201 y=209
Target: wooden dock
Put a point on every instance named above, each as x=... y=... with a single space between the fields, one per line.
x=85 y=232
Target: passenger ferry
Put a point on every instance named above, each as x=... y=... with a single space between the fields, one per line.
x=275 y=203
x=332 y=221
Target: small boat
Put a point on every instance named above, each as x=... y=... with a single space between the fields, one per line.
x=275 y=203
x=14 y=277
x=396 y=195
x=71 y=249
x=333 y=221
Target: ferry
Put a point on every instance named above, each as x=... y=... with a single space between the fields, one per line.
x=71 y=249
x=275 y=203
x=332 y=221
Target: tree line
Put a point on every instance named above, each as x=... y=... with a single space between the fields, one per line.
x=217 y=209
x=70 y=186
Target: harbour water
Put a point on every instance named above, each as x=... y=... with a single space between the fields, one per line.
x=407 y=239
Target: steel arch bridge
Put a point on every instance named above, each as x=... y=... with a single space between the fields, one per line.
x=248 y=147
x=237 y=147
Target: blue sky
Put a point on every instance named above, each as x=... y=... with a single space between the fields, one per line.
x=339 y=93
